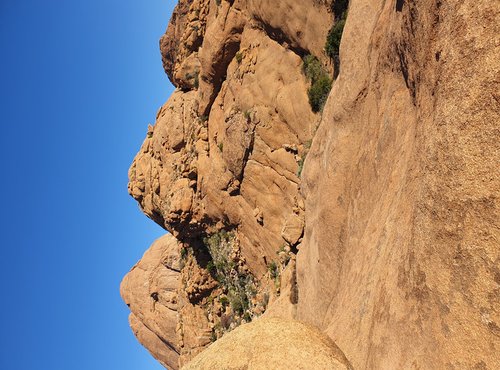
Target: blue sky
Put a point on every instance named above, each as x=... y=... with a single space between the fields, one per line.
x=80 y=81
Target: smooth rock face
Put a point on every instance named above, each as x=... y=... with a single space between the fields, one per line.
x=272 y=344
x=400 y=258
x=389 y=240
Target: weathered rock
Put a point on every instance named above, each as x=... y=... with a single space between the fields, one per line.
x=216 y=151
x=150 y=291
x=399 y=262
x=395 y=215
x=272 y=344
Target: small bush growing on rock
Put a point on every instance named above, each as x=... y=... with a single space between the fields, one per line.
x=238 y=302
x=318 y=93
x=238 y=285
x=213 y=336
x=195 y=77
x=332 y=45
x=211 y=267
x=300 y=166
x=239 y=57
x=273 y=270
x=247 y=317
x=321 y=83
x=224 y=301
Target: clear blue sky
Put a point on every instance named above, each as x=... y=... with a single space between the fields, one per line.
x=79 y=82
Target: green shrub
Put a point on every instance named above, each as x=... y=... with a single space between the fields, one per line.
x=273 y=270
x=300 y=166
x=196 y=81
x=238 y=285
x=238 y=302
x=332 y=45
x=318 y=93
x=195 y=77
x=211 y=267
x=312 y=68
x=239 y=57
x=224 y=301
x=321 y=83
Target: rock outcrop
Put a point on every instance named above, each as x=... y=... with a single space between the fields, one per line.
x=400 y=259
x=150 y=291
x=375 y=219
x=272 y=344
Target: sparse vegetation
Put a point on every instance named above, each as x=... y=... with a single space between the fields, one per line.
x=213 y=336
x=221 y=146
x=321 y=83
x=273 y=270
x=284 y=254
x=239 y=57
x=318 y=93
x=238 y=286
x=301 y=166
x=194 y=77
x=211 y=267
x=247 y=115
x=265 y=300
x=224 y=301
x=332 y=45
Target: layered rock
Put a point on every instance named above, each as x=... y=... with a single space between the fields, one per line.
x=387 y=241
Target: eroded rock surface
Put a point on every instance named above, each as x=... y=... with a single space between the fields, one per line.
x=225 y=149
x=150 y=291
x=272 y=344
x=399 y=262
x=387 y=240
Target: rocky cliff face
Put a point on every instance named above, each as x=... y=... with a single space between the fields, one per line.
x=387 y=240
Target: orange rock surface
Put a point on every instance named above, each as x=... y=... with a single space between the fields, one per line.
x=387 y=240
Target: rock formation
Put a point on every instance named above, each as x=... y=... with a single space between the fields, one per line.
x=272 y=344
x=374 y=219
